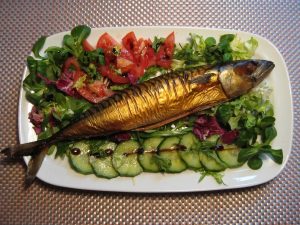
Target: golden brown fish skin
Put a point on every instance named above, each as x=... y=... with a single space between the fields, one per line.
x=165 y=98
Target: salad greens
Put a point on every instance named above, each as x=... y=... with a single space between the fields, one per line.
x=38 y=46
x=253 y=117
x=199 y=51
x=250 y=116
x=57 y=109
x=73 y=43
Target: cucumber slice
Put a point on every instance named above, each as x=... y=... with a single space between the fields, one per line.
x=190 y=155
x=176 y=164
x=103 y=166
x=146 y=159
x=210 y=163
x=125 y=160
x=230 y=156
x=79 y=157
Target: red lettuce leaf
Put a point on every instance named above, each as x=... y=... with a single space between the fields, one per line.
x=36 y=117
x=229 y=136
x=206 y=126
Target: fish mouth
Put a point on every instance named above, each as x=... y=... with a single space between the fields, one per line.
x=264 y=67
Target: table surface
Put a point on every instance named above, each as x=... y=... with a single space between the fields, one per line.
x=22 y=22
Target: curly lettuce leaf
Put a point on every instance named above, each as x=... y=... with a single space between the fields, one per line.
x=243 y=50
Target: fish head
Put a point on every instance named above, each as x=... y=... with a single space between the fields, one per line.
x=239 y=77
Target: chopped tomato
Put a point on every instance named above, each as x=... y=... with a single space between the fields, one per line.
x=87 y=46
x=129 y=41
x=133 y=56
x=72 y=61
x=165 y=52
x=97 y=87
x=165 y=63
x=144 y=53
x=126 y=54
x=110 y=58
x=89 y=95
x=106 y=71
x=135 y=73
x=149 y=59
x=106 y=42
x=77 y=75
x=93 y=92
x=140 y=49
x=138 y=71
x=124 y=64
x=169 y=45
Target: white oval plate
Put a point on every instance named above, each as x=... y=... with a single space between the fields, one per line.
x=58 y=172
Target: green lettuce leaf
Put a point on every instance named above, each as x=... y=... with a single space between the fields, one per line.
x=243 y=50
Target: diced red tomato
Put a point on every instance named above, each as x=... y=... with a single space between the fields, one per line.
x=99 y=88
x=110 y=58
x=126 y=54
x=93 y=92
x=87 y=46
x=162 y=61
x=165 y=52
x=129 y=41
x=89 y=95
x=124 y=64
x=140 y=49
x=77 y=75
x=149 y=59
x=72 y=61
x=134 y=57
x=106 y=71
x=106 y=42
x=169 y=45
x=137 y=71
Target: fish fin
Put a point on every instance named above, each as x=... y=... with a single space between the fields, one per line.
x=203 y=79
x=159 y=124
x=23 y=149
x=209 y=77
x=34 y=165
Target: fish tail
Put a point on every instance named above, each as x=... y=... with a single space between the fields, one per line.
x=37 y=150
x=30 y=148
x=34 y=165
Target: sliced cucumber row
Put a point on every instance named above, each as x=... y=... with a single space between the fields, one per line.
x=168 y=154
x=230 y=156
x=156 y=154
x=79 y=158
x=211 y=162
x=125 y=159
x=102 y=166
x=190 y=155
x=147 y=159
